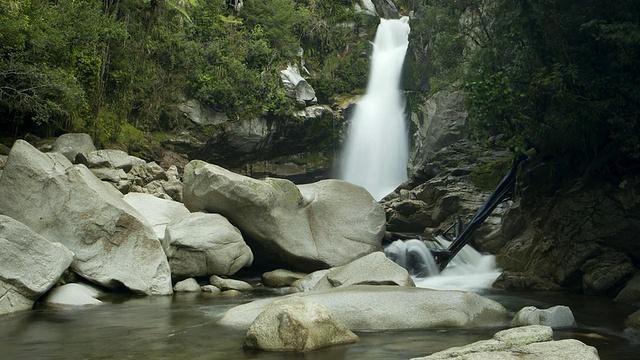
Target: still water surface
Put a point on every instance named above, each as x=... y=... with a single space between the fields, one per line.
x=184 y=326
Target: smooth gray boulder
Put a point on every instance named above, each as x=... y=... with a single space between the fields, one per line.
x=114 y=245
x=383 y=307
x=296 y=324
x=633 y=321
x=630 y=294
x=109 y=158
x=210 y=289
x=309 y=227
x=29 y=265
x=158 y=212
x=72 y=295
x=308 y=282
x=296 y=87
x=281 y=277
x=187 y=285
x=230 y=284
x=534 y=342
x=555 y=317
x=72 y=144
x=373 y=269
x=202 y=244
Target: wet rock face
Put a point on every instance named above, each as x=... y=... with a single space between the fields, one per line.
x=582 y=238
x=441 y=121
x=454 y=182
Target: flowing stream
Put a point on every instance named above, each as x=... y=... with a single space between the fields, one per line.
x=376 y=150
x=183 y=326
x=468 y=270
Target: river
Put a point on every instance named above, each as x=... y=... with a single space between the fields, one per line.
x=184 y=326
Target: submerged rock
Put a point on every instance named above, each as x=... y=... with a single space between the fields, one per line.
x=29 y=265
x=533 y=342
x=114 y=245
x=555 y=317
x=309 y=227
x=296 y=324
x=381 y=307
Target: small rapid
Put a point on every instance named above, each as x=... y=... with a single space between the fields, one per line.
x=468 y=270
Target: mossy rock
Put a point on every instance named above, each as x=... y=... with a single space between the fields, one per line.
x=488 y=175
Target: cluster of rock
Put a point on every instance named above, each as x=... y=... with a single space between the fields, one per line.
x=572 y=236
x=375 y=294
x=143 y=241
x=528 y=342
x=453 y=184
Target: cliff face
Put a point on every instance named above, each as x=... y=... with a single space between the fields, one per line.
x=580 y=236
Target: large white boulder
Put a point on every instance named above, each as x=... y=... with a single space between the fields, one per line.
x=296 y=87
x=158 y=212
x=296 y=324
x=534 y=342
x=202 y=244
x=113 y=244
x=29 y=265
x=329 y=223
x=384 y=307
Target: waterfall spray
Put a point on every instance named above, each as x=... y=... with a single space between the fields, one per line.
x=377 y=149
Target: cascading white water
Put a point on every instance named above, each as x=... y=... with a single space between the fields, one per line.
x=376 y=150
x=468 y=270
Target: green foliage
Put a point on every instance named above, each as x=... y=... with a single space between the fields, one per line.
x=113 y=66
x=276 y=18
x=559 y=76
x=487 y=176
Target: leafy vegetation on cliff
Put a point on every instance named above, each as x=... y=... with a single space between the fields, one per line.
x=559 y=76
x=115 y=67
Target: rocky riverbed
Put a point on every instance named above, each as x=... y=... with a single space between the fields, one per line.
x=80 y=227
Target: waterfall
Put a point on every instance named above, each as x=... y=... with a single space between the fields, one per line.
x=377 y=149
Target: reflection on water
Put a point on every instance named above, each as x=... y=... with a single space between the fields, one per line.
x=184 y=327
